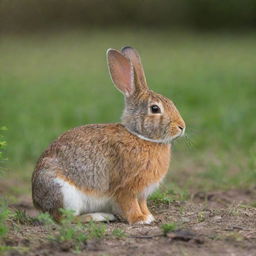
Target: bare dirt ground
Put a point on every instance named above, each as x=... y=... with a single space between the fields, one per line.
x=218 y=223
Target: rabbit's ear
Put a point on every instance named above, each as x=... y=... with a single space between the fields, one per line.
x=121 y=71
x=134 y=56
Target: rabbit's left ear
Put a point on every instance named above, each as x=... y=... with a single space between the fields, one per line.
x=121 y=71
x=134 y=57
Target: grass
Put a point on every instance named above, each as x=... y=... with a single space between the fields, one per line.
x=168 y=227
x=22 y=218
x=70 y=234
x=4 y=216
x=52 y=82
x=76 y=233
x=119 y=233
x=159 y=197
x=169 y=193
x=3 y=145
x=4 y=210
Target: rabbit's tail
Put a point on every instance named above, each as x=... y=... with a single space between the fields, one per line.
x=46 y=193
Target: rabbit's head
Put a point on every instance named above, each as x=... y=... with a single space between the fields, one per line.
x=147 y=114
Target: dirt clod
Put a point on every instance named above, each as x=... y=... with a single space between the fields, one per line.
x=185 y=235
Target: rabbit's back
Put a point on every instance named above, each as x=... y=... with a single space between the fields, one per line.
x=82 y=155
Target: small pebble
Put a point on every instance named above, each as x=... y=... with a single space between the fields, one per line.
x=185 y=219
x=217 y=218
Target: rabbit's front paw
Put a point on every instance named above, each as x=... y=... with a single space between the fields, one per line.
x=147 y=219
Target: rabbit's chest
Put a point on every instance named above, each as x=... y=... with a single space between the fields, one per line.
x=153 y=173
x=156 y=166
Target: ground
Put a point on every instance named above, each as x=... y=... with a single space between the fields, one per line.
x=217 y=223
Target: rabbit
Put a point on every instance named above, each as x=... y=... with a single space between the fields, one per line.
x=101 y=171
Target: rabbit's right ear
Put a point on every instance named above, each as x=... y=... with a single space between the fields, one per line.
x=134 y=57
x=121 y=72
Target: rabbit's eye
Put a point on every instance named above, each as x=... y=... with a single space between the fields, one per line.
x=155 y=109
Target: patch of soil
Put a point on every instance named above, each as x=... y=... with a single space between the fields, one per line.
x=217 y=223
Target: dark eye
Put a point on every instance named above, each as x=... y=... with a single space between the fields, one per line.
x=155 y=109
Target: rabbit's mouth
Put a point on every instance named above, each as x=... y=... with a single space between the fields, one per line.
x=181 y=133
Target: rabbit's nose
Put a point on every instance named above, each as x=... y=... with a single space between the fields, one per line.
x=182 y=130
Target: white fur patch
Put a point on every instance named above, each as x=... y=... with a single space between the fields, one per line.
x=148 y=139
x=149 y=220
x=145 y=138
x=149 y=190
x=80 y=202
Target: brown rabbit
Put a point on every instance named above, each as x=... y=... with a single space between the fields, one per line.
x=106 y=169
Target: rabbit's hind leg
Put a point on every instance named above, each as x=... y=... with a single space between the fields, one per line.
x=46 y=193
x=97 y=217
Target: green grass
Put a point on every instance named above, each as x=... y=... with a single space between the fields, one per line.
x=5 y=214
x=52 y=82
x=77 y=233
x=119 y=233
x=69 y=232
x=168 y=227
x=3 y=145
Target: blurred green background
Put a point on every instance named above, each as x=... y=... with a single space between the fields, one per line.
x=201 y=54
